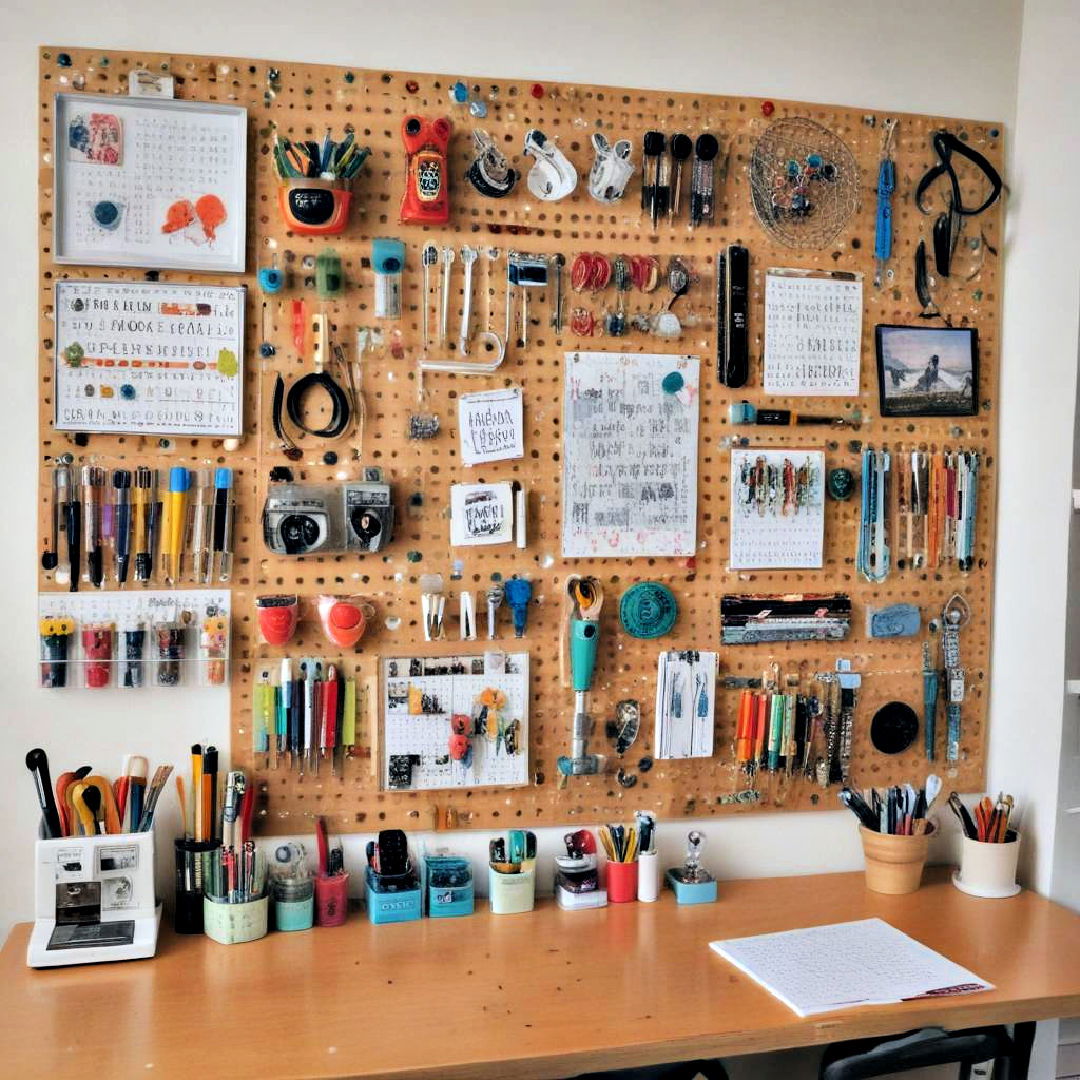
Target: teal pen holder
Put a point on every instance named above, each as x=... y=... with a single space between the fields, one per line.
x=691 y=892
x=450 y=902
x=294 y=914
x=448 y=881
x=393 y=899
x=511 y=894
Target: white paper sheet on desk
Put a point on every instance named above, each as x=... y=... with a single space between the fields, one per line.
x=842 y=965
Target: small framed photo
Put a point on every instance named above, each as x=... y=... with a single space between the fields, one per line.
x=928 y=370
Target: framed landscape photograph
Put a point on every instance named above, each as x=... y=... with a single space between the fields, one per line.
x=928 y=370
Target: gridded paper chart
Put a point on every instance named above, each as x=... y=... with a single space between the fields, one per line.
x=144 y=182
x=421 y=696
x=149 y=357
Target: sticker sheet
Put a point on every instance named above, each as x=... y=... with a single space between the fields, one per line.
x=630 y=425
x=490 y=424
x=152 y=358
x=481 y=514
x=777 y=509
x=154 y=183
x=813 y=333
x=455 y=721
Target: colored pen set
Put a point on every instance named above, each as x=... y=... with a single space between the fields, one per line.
x=84 y=803
x=990 y=824
x=895 y=811
x=305 y=711
x=133 y=641
x=330 y=160
x=138 y=525
x=620 y=843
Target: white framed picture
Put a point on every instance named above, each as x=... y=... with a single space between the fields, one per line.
x=150 y=182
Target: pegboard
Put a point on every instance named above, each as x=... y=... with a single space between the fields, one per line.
x=303 y=100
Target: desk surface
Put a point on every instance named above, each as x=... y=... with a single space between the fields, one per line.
x=551 y=993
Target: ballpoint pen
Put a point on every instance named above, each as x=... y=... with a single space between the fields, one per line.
x=286 y=703
x=67 y=501
x=176 y=514
x=50 y=557
x=223 y=525
x=153 y=524
x=202 y=511
x=121 y=480
x=141 y=497
x=93 y=480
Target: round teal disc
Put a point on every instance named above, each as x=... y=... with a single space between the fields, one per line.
x=648 y=610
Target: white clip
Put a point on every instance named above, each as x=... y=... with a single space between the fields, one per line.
x=552 y=177
x=467 y=604
x=612 y=169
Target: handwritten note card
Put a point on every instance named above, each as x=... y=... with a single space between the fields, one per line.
x=813 y=334
x=150 y=182
x=777 y=509
x=149 y=358
x=455 y=721
x=490 y=425
x=630 y=424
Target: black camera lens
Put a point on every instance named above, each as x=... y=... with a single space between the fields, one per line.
x=365 y=524
x=299 y=532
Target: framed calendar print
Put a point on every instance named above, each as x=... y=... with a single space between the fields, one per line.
x=150 y=182
x=149 y=358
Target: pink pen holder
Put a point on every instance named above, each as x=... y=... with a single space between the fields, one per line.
x=622 y=882
x=331 y=899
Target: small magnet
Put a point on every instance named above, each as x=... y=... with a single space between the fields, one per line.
x=840 y=484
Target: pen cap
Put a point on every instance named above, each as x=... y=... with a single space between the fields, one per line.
x=223 y=478
x=179 y=479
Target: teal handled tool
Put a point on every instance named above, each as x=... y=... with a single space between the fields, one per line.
x=585 y=597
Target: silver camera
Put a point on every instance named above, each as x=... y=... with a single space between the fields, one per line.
x=322 y=519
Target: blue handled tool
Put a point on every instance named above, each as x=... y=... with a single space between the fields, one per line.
x=886 y=185
x=583 y=632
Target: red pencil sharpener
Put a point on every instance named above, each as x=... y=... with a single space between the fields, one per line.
x=427 y=194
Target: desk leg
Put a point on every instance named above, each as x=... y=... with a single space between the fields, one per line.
x=1023 y=1040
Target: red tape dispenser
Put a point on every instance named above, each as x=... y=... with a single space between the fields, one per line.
x=344 y=619
x=427 y=194
x=277 y=616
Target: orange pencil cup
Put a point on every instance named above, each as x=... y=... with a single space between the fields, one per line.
x=894 y=864
x=315 y=207
x=622 y=880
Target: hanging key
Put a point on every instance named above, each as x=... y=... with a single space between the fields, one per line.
x=468 y=257
x=444 y=315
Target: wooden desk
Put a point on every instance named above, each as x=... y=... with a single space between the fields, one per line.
x=547 y=994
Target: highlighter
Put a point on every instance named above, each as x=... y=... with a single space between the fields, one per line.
x=179 y=482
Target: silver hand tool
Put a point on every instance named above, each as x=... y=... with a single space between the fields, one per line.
x=468 y=258
x=429 y=258
x=444 y=316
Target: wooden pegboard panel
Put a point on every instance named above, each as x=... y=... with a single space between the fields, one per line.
x=306 y=99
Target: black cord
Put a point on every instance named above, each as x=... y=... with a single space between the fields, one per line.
x=340 y=416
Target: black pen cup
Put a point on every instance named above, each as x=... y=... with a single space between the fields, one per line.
x=190 y=875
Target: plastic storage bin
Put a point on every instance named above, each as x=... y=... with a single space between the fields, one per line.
x=449 y=881
x=511 y=894
x=393 y=899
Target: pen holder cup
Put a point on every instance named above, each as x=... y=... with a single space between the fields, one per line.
x=231 y=924
x=894 y=864
x=450 y=890
x=510 y=894
x=331 y=899
x=294 y=905
x=190 y=866
x=314 y=207
x=622 y=882
x=988 y=870
x=648 y=877
x=393 y=899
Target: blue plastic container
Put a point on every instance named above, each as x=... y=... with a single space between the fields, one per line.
x=393 y=899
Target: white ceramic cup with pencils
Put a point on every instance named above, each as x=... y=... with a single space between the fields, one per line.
x=990 y=848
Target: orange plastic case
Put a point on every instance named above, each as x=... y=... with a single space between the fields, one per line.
x=313 y=207
x=427 y=193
